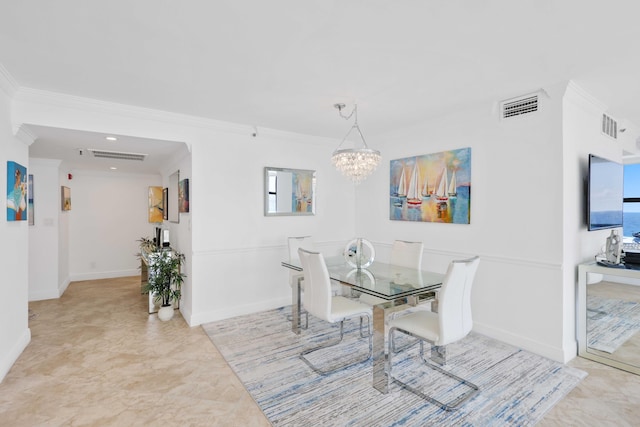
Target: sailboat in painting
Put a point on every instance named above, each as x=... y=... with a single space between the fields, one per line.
x=413 y=192
x=402 y=185
x=453 y=186
x=425 y=189
x=401 y=191
x=442 y=186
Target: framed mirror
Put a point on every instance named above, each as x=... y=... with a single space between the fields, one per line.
x=289 y=191
x=609 y=316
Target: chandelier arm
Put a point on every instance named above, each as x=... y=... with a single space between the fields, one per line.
x=361 y=135
x=346 y=136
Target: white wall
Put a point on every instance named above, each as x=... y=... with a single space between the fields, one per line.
x=180 y=233
x=516 y=216
x=109 y=213
x=237 y=251
x=14 y=328
x=44 y=234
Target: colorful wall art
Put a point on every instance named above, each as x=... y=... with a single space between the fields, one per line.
x=183 y=195
x=65 y=195
x=16 y=192
x=301 y=197
x=165 y=203
x=30 y=201
x=432 y=187
x=155 y=204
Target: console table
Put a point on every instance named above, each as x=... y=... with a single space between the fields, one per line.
x=582 y=320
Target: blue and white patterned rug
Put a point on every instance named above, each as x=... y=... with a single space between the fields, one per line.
x=516 y=387
x=611 y=322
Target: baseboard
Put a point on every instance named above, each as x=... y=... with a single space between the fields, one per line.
x=104 y=275
x=542 y=349
x=212 y=316
x=44 y=295
x=16 y=350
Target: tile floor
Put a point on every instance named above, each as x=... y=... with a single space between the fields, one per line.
x=96 y=358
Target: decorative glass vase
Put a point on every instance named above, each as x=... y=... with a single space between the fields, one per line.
x=359 y=253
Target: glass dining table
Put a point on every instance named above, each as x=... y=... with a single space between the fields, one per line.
x=398 y=288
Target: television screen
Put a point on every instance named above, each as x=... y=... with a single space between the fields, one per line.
x=604 y=193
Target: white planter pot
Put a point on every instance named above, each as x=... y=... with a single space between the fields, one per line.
x=165 y=313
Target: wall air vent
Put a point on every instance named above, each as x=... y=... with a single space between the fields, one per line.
x=120 y=155
x=609 y=126
x=520 y=106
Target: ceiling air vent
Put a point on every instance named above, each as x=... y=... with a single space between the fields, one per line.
x=520 y=106
x=120 y=155
x=609 y=126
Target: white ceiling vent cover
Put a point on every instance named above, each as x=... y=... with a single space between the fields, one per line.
x=520 y=106
x=609 y=126
x=120 y=155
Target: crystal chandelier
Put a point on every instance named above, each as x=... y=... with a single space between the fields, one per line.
x=355 y=163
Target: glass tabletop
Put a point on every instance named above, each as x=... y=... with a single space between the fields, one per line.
x=379 y=279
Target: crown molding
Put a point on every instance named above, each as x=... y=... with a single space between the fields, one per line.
x=576 y=93
x=60 y=100
x=24 y=134
x=7 y=82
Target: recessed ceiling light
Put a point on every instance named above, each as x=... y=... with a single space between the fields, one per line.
x=113 y=168
x=111 y=138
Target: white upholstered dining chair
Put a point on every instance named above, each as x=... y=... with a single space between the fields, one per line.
x=451 y=323
x=295 y=243
x=319 y=302
x=403 y=254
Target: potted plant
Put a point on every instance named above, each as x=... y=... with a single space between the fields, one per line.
x=165 y=280
x=147 y=245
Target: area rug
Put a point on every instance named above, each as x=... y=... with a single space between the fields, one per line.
x=611 y=322
x=516 y=387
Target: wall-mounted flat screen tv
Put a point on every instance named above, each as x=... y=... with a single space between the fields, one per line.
x=604 y=193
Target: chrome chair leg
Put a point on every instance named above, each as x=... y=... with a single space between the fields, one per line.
x=438 y=355
x=368 y=327
x=336 y=342
x=306 y=324
x=447 y=406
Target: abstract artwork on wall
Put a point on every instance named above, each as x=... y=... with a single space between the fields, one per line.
x=65 y=198
x=165 y=203
x=30 y=201
x=183 y=195
x=303 y=188
x=155 y=204
x=431 y=188
x=16 y=192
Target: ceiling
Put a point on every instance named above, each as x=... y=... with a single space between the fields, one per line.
x=282 y=64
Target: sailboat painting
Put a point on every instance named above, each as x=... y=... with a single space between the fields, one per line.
x=432 y=187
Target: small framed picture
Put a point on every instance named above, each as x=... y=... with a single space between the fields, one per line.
x=66 y=198
x=165 y=203
x=183 y=195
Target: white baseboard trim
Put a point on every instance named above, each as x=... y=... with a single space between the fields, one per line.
x=226 y=313
x=104 y=275
x=16 y=350
x=44 y=295
x=63 y=287
x=542 y=349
